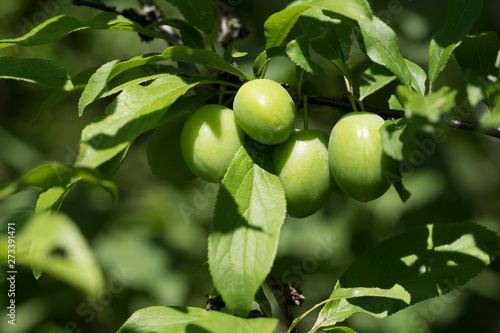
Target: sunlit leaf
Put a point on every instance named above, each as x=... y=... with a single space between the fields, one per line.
x=161 y=319
x=298 y=51
x=278 y=26
x=136 y=110
x=427 y=262
x=373 y=79
x=248 y=216
x=53 y=244
x=59 y=26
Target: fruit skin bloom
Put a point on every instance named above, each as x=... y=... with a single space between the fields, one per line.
x=265 y=111
x=301 y=163
x=209 y=140
x=357 y=160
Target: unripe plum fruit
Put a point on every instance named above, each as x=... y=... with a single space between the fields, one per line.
x=164 y=151
x=301 y=164
x=357 y=161
x=265 y=111
x=209 y=140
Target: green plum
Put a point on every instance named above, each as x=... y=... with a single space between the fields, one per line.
x=265 y=111
x=302 y=166
x=209 y=140
x=357 y=161
x=164 y=151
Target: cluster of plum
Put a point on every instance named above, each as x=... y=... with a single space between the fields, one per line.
x=308 y=162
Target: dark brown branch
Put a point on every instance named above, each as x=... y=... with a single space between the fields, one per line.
x=97 y=5
x=342 y=103
x=279 y=294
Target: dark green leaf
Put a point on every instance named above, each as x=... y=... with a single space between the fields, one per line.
x=263 y=58
x=264 y=304
x=328 y=45
x=181 y=53
x=382 y=47
x=298 y=51
x=40 y=71
x=427 y=262
x=57 y=27
x=136 y=110
x=479 y=54
x=73 y=262
x=161 y=319
x=199 y=13
x=460 y=18
x=79 y=81
x=248 y=216
x=218 y=322
x=372 y=79
x=190 y=35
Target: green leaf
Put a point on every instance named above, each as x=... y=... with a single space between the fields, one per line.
x=298 y=51
x=43 y=176
x=35 y=70
x=403 y=192
x=264 y=304
x=460 y=18
x=52 y=198
x=58 y=27
x=427 y=262
x=328 y=45
x=190 y=35
x=427 y=109
x=382 y=47
x=391 y=134
x=136 y=110
x=231 y=53
x=278 y=26
x=96 y=86
x=339 y=329
x=218 y=322
x=419 y=77
x=262 y=59
x=58 y=178
x=340 y=294
x=103 y=83
x=53 y=244
x=199 y=13
x=161 y=319
x=181 y=53
x=373 y=79
x=80 y=81
x=248 y=216
x=479 y=54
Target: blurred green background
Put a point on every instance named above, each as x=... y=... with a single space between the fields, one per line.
x=158 y=252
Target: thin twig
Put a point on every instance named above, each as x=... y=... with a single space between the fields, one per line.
x=342 y=103
x=97 y=5
x=279 y=295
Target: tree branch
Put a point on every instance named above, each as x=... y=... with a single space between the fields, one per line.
x=342 y=103
x=280 y=296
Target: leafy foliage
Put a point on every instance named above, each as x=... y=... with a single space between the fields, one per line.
x=250 y=208
x=427 y=262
